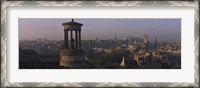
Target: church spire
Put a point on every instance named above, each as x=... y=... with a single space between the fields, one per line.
x=156 y=40
x=123 y=65
x=145 y=35
x=145 y=40
x=155 y=43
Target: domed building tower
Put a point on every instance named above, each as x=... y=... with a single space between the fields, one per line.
x=72 y=55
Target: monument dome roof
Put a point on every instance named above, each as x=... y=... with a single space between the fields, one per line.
x=72 y=23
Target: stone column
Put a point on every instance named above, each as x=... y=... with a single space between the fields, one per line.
x=76 y=37
x=71 y=41
x=66 y=40
x=79 y=38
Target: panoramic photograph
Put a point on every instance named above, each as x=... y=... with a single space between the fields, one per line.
x=99 y=43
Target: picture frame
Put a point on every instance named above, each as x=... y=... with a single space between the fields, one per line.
x=4 y=45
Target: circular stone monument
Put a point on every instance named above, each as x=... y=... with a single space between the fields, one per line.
x=72 y=55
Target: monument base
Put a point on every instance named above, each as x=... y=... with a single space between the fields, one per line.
x=73 y=59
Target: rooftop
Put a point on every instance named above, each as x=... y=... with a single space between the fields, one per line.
x=72 y=23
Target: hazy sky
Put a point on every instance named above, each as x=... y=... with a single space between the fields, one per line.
x=52 y=28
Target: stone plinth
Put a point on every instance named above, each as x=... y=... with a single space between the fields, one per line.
x=73 y=59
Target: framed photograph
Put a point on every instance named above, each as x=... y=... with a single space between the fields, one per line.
x=100 y=44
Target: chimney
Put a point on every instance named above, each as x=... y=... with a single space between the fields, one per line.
x=72 y=20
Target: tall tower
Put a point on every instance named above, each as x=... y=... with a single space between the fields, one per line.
x=155 y=44
x=145 y=44
x=115 y=38
x=145 y=40
x=72 y=55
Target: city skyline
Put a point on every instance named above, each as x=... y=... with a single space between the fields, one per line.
x=52 y=29
x=75 y=53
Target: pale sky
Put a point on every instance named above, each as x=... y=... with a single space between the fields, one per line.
x=52 y=28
